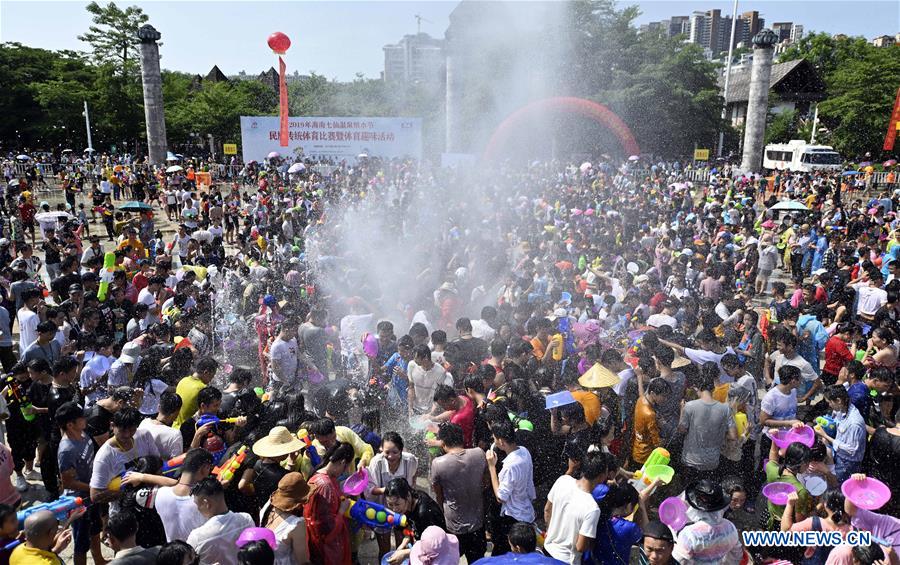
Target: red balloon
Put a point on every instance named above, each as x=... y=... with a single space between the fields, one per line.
x=279 y=42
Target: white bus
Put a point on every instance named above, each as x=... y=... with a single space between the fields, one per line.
x=799 y=156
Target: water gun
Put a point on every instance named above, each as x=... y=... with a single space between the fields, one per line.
x=828 y=424
x=374 y=515
x=61 y=508
x=261 y=394
x=173 y=465
x=226 y=471
x=557 y=342
x=311 y=451
x=565 y=328
x=15 y=390
x=659 y=456
x=106 y=276
x=215 y=420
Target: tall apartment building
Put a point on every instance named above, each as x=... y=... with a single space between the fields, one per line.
x=748 y=25
x=415 y=59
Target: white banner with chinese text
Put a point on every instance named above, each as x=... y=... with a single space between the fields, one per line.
x=340 y=138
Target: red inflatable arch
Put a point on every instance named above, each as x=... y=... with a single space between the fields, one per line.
x=568 y=104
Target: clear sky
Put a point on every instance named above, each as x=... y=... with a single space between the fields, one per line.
x=342 y=38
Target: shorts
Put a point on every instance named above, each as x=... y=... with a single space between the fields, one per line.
x=86 y=527
x=172 y=208
x=804 y=387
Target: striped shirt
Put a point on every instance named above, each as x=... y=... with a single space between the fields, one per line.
x=709 y=542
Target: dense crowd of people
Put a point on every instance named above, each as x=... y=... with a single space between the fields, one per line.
x=583 y=349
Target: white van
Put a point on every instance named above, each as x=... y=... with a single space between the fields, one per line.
x=799 y=156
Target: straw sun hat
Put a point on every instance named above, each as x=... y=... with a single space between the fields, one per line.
x=278 y=443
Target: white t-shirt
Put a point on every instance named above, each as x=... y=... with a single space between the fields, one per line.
x=179 y=514
x=150 y=405
x=661 y=319
x=95 y=370
x=283 y=355
x=215 y=540
x=574 y=512
x=109 y=462
x=425 y=383
x=778 y=405
x=869 y=298
x=28 y=323
x=482 y=330
x=701 y=356
x=779 y=360
x=353 y=326
x=516 y=487
x=147 y=297
x=169 y=440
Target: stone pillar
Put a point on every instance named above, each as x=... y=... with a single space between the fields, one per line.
x=758 y=101
x=452 y=105
x=151 y=80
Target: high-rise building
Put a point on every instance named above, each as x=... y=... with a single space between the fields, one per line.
x=672 y=27
x=417 y=59
x=782 y=30
x=679 y=25
x=796 y=33
x=712 y=31
x=748 y=25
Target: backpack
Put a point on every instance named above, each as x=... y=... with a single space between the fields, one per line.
x=819 y=333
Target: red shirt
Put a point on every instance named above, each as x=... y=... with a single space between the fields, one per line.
x=27 y=211
x=837 y=354
x=465 y=418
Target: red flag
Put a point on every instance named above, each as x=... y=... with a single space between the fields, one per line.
x=283 y=102
x=893 y=125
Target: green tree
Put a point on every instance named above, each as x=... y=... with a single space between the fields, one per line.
x=781 y=127
x=670 y=100
x=113 y=36
x=861 y=83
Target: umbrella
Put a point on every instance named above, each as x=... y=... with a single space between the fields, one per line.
x=89 y=150
x=296 y=168
x=849 y=173
x=22 y=157
x=362 y=156
x=273 y=155
x=171 y=156
x=174 y=169
x=179 y=156
x=889 y=163
x=66 y=150
x=52 y=216
x=135 y=206
x=634 y=158
x=585 y=166
x=792 y=205
x=598 y=376
x=865 y=164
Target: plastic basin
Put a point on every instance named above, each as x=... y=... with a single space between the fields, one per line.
x=777 y=493
x=662 y=472
x=868 y=494
x=783 y=438
x=356 y=483
x=673 y=513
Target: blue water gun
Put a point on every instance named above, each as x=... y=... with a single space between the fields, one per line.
x=374 y=515
x=213 y=419
x=828 y=425
x=565 y=328
x=311 y=452
x=61 y=508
